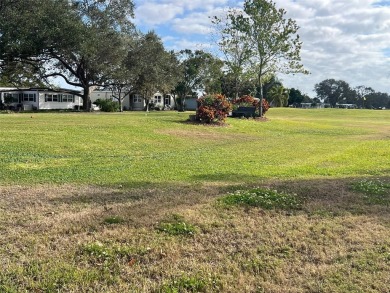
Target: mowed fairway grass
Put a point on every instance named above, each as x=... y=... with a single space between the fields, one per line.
x=136 y=202
x=158 y=148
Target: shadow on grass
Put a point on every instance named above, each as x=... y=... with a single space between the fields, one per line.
x=321 y=197
x=119 y=193
x=336 y=197
x=140 y=200
x=48 y=222
x=228 y=177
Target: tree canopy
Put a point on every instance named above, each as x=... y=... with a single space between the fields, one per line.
x=154 y=69
x=295 y=97
x=278 y=96
x=272 y=40
x=339 y=92
x=199 y=71
x=80 y=41
x=235 y=49
x=334 y=92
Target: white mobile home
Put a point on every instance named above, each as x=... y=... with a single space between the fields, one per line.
x=39 y=98
x=135 y=101
x=108 y=95
x=46 y=99
x=158 y=100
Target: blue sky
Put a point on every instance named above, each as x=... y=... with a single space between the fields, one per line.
x=342 y=39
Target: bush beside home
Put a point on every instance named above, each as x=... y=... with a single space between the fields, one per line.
x=107 y=105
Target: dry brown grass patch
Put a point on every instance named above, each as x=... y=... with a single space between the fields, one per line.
x=48 y=234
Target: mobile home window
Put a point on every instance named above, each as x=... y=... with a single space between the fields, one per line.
x=13 y=97
x=167 y=100
x=137 y=99
x=68 y=98
x=29 y=98
x=52 y=98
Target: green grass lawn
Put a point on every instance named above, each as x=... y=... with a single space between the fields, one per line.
x=138 y=202
x=138 y=148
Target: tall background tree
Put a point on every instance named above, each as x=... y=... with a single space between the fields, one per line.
x=199 y=72
x=19 y=41
x=229 y=86
x=79 y=41
x=361 y=95
x=235 y=49
x=154 y=68
x=273 y=42
x=295 y=97
x=269 y=83
x=335 y=92
x=123 y=78
x=377 y=100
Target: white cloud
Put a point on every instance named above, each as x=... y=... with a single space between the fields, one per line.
x=194 y=23
x=202 y=4
x=180 y=44
x=157 y=13
x=342 y=39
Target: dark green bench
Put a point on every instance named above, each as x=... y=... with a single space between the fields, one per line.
x=244 y=112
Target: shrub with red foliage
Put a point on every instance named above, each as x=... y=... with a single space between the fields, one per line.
x=213 y=109
x=246 y=101
x=265 y=106
x=250 y=101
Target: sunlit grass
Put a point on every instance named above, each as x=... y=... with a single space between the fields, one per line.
x=139 y=148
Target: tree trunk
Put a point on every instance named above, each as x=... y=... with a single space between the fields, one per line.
x=147 y=105
x=183 y=101
x=88 y=89
x=236 y=89
x=261 y=98
x=86 y=99
x=120 y=100
x=181 y=104
x=259 y=94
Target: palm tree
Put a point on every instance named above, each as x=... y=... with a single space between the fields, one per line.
x=278 y=96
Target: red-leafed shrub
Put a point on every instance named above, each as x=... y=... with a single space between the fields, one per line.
x=213 y=109
x=265 y=106
x=246 y=101
x=249 y=101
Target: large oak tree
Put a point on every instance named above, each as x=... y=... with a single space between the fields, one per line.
x=79 y=41
x=335 y=92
